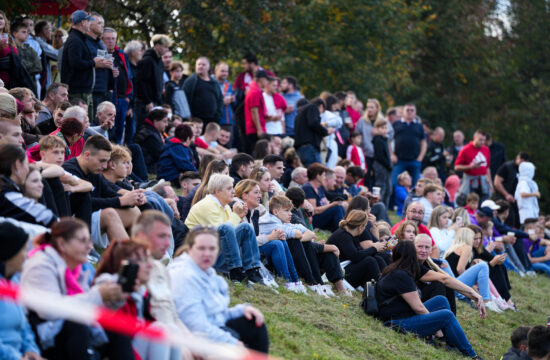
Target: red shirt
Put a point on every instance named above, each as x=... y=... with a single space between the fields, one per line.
x=481 y=155
x=254 y=98
x=279 y=101
x=421 y=230
x=354 y=115
x=201 y=143
x=76 y=148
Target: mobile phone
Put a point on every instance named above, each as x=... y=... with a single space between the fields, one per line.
x=530 y=231
x=127 y=275
x=393 y=241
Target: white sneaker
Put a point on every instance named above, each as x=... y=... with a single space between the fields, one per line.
x=491 y=305
x=318 y=289
x=328 y=290
x=531 y=273
x=521 y=273
x=290 y=286
x=300 y=288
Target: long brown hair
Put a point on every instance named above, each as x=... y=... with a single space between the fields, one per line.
x=215 y=167
x=400 y=231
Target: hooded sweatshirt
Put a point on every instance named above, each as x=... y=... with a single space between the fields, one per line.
x=528 y=206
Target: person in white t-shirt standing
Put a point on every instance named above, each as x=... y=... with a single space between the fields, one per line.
x=275 y=107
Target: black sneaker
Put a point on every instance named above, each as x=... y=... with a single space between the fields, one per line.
x=255 y=276
x=237 y=274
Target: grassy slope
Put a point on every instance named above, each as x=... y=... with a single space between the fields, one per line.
x=311 y=327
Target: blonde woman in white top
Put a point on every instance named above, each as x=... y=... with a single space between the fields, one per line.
x=443 y=233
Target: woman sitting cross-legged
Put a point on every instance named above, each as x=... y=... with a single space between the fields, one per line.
x=401 y=307
x=202 y=297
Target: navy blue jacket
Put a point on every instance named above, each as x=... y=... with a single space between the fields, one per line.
x=101 y=81
x=175 y=158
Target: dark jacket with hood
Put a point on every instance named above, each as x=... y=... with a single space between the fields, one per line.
x=149 y=80
x=77 y=64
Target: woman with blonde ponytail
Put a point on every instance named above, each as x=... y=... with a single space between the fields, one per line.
x=363 y=266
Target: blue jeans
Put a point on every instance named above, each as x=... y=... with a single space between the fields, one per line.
x=329 y=219
x=309 y=155
x=440 y=318
x=120 y=119
x=280 y=255
x=479 y=273
x=412 y=166
x=238 y=247
x=539 y=253
x=512 y=261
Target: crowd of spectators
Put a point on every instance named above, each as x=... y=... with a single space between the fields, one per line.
x=112 y=157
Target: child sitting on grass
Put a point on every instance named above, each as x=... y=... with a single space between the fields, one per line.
x=276 y=249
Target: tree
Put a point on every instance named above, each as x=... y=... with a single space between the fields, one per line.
x=213 y=28
x=365 y=46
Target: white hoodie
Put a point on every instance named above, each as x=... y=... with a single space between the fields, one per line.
x=528 y=206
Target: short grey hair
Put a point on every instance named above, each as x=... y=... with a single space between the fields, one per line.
x=218 y=181
x=103 y=106
x=109 y=30
x=297 y=171
x=76 y=112
x=132 y=46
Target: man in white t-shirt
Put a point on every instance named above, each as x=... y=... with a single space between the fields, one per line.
x=275 y=105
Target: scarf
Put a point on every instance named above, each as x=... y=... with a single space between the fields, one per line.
x=71 y=276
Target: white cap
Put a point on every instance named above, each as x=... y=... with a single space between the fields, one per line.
x=490 y=204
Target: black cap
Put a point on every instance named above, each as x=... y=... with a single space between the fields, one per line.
x=262 y=74
x=12 y=240
x=486 y=211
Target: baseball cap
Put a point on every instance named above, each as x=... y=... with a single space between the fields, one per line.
x=486 y=211
x=80 y=15
x=262 y=74
x=490 y=204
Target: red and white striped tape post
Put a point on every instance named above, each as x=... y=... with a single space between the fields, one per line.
x=66 y=307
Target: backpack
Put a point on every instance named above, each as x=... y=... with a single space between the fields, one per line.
x=369 y=303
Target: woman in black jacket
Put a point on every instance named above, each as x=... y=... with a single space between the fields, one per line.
x=363 y=266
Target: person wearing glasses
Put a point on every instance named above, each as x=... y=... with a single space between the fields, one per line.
x=415 y=213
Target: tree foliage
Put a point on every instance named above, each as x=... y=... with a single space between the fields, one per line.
x=213 y=28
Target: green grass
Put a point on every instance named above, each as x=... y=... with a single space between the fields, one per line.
x=311 y=327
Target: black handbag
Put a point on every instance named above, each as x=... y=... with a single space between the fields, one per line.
x=369 y=303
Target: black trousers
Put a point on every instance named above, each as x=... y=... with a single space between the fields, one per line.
x=499 y=276
x=436 y=288
x=250 y=143
x=358 y=273
x=55 y=198
x=522 y=254
x=74 y=343
x=310 y=263
x=254 y=337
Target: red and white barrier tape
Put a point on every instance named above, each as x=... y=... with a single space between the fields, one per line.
x=58 y=307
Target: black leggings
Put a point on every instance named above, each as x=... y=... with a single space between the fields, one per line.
x=436 y=288
x=255 y=338
x=74 y=342
x=499 y=276
x=358 y=273
x=310 y=264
